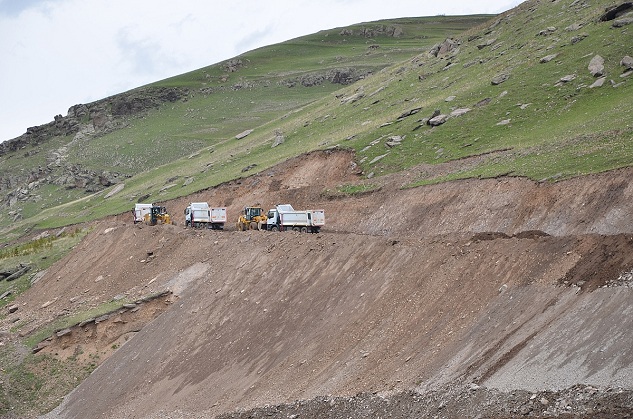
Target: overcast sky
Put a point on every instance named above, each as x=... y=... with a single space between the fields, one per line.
x=58 y=53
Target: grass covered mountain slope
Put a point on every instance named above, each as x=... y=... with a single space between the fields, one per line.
x=179 y=135
x=515 y=88
x=476 y=259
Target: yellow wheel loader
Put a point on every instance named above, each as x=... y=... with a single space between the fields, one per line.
x=253 y=218
x=157 y=215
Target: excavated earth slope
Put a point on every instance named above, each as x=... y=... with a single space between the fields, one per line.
x=496 y=297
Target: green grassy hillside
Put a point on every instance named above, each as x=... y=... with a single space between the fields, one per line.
x=519 y=83
x=191 y=141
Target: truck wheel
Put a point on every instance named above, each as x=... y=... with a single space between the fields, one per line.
x=304 y=229
x=274 y=228
x=253 y=226
x=295 y=228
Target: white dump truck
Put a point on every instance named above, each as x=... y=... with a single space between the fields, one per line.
x=140 y=210
x=284 y=217
x=200 y=215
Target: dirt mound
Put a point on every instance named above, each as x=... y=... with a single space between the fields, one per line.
x=406 y=292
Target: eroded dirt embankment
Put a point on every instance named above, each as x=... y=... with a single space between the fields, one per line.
x=498 y=283
x=279 y=318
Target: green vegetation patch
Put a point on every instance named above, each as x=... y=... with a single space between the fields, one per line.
x=37 y=255
x=35 y=384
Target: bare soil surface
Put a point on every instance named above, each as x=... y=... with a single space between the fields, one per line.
x=490 y=298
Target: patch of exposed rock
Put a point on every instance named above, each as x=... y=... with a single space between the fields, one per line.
x=82 y=123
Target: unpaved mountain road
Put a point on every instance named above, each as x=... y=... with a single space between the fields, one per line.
x=500 y=294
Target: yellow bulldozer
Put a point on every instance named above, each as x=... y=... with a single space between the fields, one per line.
x=157 y=215
x=252 y=218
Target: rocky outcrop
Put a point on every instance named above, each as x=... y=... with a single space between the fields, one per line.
x=617 y=12
x=103 y=115
x=344 y=76
x=135 y=102
x=82 y=123
x=374 y=31
x=441 y=49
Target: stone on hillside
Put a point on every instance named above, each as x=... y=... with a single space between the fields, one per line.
x=450 y=99
x=279 y=139
x=438 y=120
x=547 y=31
x=13 y=308
x=86 y=322
x=504 y=122
x=596 y=66
x=43 y=344
x=63 y=332
x=409 y=113
x=497 y=80
x=567 y=78
x=37 y=277
x=375 y=159
x=577 y=38
x=459 y=112
x=353 y=98
x=486 y=44
x=627 y=62
x=483 y=102
x=622 y=22
x=243 y=134
x=17 y=274
x=598 y=83
x=548 y=58
x=444 y=48
x=574 y=27
x=435 y=113
x=394 y=141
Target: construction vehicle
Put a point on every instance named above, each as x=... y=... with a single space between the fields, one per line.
x=200 y=215
x=253 y=218
x=285 y=217
x=157 y=215
x=140 y=211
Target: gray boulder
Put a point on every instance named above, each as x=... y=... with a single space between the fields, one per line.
x=596 y=66
x=438 y=120
x=497 y=80
x=279 y=139
x=444 y=48
x=618 y=23
x=598 y=83
x=548 y=58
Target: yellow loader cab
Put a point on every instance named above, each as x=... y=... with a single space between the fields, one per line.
x=253 y=218
x=157 y=215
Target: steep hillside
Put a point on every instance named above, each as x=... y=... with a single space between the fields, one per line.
x=541 y=90
x=530 y=301
x=180 y=135
x=477 y=258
